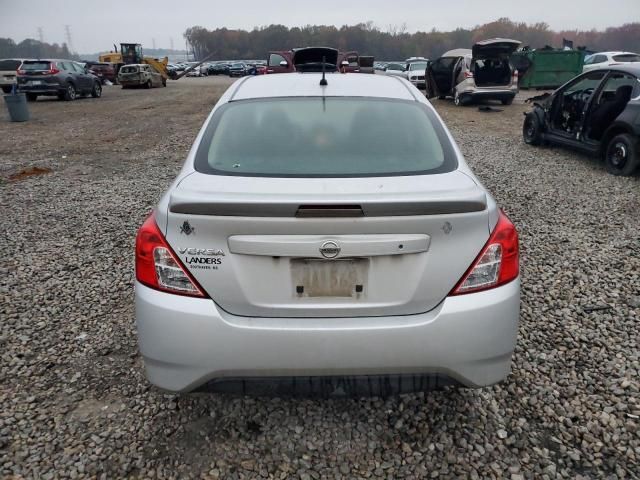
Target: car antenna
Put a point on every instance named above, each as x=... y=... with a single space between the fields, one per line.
x=323 y=80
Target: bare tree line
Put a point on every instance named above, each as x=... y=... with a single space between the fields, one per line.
x=395 y=42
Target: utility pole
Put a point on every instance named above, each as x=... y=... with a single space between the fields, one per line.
x=153 y=42
x=171 y=42
x=67 y=30
x=40 y=35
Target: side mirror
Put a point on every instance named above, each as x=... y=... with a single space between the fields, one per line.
x=284 y=63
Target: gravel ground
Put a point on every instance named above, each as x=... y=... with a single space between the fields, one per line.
x=76 y=182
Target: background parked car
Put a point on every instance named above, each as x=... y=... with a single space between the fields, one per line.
x=103 y=70
x=140 y=75
x=366 y=63
x=9 y=73
x=218 y=69
x=416 y=71
x=238 y=69
x=484 y=72
x=606 y=59
x=65 y=79
x=597 y=113
x=396 y=68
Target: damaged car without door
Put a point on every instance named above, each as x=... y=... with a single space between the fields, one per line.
x=597 y=112
x=483 y=72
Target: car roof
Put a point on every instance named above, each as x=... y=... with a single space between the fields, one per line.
x=308 y=85
x=615 y=53
x=633 y=69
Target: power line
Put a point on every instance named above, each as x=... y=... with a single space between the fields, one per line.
x=67 y=30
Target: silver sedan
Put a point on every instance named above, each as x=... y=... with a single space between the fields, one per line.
x=326 y=235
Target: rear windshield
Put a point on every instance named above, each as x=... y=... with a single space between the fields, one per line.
x=626 y=58
x=6 y=65
x=129 y=69
x=35 y=66
x=330 y=137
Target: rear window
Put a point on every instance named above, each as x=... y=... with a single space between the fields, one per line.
x=36 y=66
x=330 y=137
x=6 y=65
x=626 y=58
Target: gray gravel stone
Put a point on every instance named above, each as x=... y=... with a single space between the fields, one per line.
x=73 y=398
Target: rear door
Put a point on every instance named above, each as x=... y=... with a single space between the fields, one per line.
x=274 y=62
x=37 y=75
x=84 y=79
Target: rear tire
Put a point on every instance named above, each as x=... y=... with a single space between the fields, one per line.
x=148 y=84
x=6 y=89
x=532 y=130
x=507 y=101
x=70 y=93
x=621 y=156
x=459 y=100
x=164 y=82
x=96 y=91
x=32 y=97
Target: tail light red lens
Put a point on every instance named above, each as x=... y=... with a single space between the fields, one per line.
x=21 y=72
x=497 y=263
x=468 y=74
x=158 y=267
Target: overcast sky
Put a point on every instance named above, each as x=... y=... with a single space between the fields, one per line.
x=96 y=25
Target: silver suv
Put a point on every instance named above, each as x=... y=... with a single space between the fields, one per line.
x=483 y=72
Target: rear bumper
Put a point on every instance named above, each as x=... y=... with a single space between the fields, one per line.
x=187 y=342
x=54 y=89
x=489 y=94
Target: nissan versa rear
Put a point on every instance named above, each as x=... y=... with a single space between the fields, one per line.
x=326 y=235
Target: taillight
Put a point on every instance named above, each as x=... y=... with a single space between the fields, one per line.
x=468 y=74
x=158 y=267
x=21 y=72
x=53 y=69
x=497 y=262
x=515 y=75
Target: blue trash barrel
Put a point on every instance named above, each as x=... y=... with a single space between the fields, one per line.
x=17 y=106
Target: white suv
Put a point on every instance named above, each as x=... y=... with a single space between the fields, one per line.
x=606 y=59
x=483 y=72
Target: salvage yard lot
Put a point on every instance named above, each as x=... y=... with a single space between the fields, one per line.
x=80 y=177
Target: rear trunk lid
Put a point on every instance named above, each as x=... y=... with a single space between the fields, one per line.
x=310 y=59
x=37 y=73
x=494 y=48
x=327 y=247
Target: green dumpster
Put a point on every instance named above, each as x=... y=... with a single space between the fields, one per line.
x=546 y=69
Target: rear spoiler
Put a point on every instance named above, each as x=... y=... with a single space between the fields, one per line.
x=472 y=201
